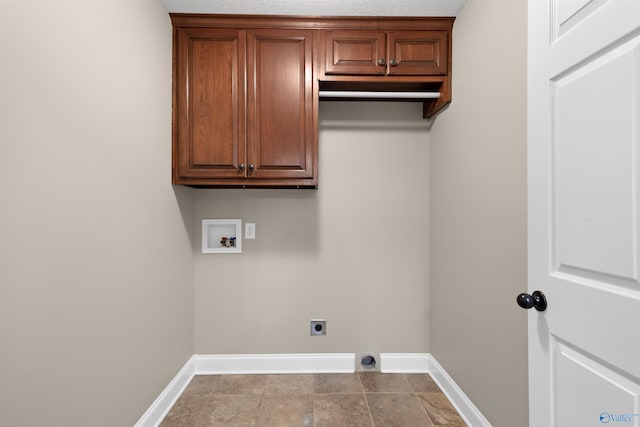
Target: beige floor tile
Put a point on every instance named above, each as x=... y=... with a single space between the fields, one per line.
x=202 y=384
x=397 y=410
x=344 y=410
x=185 y=411
x=422 y=383
x=384 y=383
x=285 y=411
x=230 y=410
x=337 y=383
x=289 y=384
x=319 y=400
x=239 y=384
x=440 y=410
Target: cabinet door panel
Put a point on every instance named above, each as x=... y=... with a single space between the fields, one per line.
x=211 y=103
x=355 y=52
x=280 y=112
x=418 y=52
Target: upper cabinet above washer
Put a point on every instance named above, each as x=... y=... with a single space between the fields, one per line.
x=246 y=89
x=380 y=53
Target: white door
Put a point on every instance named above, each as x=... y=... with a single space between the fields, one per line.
x=584 y=212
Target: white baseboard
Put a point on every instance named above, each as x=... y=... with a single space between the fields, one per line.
x=404 y=363
x=275 y=363
x=161 y=406
x=467 y=410
x=308 y=363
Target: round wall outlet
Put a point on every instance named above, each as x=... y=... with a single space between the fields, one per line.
x=318 y=327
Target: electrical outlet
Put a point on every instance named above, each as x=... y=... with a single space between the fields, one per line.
x=318 y=327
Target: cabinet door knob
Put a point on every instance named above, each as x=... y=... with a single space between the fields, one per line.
x=393 y=63
x=251 y=167
x=381 y=61
x=241 y=167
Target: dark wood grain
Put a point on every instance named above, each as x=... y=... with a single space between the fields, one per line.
x=246 y=88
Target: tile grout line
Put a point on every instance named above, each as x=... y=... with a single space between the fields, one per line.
x=415 y=395
x=366 y=401
x=424 y=409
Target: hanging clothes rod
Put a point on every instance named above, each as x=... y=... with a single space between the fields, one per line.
x=367 y=94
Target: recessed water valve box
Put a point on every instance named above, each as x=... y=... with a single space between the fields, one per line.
x=318 y=327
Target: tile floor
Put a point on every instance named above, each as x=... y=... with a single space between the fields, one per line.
x=367 y=399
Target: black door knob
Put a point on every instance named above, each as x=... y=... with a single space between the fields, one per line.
x=535 y=300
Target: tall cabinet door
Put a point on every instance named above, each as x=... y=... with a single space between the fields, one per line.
x=281 y=135
x=209 y=106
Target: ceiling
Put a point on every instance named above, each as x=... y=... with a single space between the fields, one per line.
x=319 y=7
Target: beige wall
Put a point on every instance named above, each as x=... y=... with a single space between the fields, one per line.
x=102 y=299
x=478 y=213
x=354 y=252
x=96 y=293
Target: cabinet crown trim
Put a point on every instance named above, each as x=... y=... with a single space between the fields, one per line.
x=312 y=22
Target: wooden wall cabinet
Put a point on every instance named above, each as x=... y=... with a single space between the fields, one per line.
x=209 y=141
x=246 y=89
x=243 y=108
x=379 y=53
x=281 y=130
